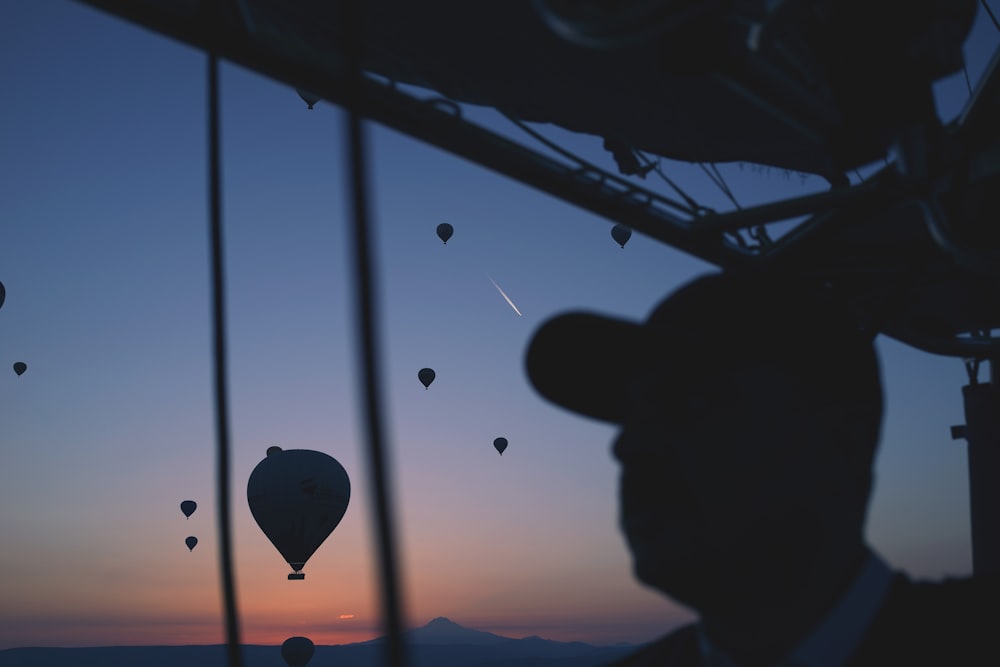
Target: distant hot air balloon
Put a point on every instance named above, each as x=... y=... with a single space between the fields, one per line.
x=426 y=376
x=307 y=97
x=444 y=231
x=621 y=234
x=297 y=497
x=191 y=542
x=188 y=507
x=297 y=651
x=3 y=294
x=20 y=367
x=500 y=444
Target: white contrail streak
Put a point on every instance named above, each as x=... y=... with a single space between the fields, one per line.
x=505 y=297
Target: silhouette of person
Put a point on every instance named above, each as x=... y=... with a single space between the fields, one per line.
x=750 y=409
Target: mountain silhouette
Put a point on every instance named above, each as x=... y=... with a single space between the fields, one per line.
x=439 y=643
x=444 y=631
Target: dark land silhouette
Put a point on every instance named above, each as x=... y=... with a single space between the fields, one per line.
x=440 y=643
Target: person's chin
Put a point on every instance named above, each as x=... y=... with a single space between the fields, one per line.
x=676 y=572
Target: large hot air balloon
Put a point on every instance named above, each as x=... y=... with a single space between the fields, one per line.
x=20 y=367
x=444 y=232
x=621 y=234
x=297 y=497
x=426 y=376
x=500 y=444
x=191 y=542
x=297 y=651
x=309 y=98
x=188 y=507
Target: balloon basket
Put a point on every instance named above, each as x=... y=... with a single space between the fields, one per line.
x=296 y=575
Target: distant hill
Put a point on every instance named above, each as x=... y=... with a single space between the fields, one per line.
x=440 y=643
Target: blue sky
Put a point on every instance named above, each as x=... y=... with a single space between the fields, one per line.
x=104 y=256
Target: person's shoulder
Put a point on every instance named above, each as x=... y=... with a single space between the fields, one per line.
x=678 y=649
x=949 y=621
x=957 y=606
x=947 y=593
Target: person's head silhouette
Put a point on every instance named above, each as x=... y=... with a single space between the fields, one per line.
x=750 y=408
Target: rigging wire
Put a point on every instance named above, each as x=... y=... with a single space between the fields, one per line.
x=692 y=207
x=989 y=11
x=716 y=177
x=223 y=510
x=689 y=200
x=367 y=336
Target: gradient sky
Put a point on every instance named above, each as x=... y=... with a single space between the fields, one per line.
x=103 y=250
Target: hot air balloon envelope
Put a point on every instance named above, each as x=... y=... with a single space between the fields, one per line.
x=188 y=507
x=426 y=376
x=444 y=231
x=621 y=234
x=297 y=651
x=500 y=444
x=297 y=497
x=20 y=367
x=3 y=294
x=191 y=542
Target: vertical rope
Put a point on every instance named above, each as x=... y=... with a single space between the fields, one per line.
x=367 y=335
x=219 y=348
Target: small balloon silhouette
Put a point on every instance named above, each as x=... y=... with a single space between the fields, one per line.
x=426 y=376
x=191 y=542
x=297 y=651
x=444 y=232
x=621 y=234
x=188 y=507
x=500 y=444
x=309 y=98
x=20 y=367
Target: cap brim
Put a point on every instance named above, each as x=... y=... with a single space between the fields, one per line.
x=584 y=362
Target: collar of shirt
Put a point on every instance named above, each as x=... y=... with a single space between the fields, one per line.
x=835 y=638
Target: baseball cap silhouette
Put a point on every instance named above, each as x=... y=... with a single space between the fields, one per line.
x=585 y=362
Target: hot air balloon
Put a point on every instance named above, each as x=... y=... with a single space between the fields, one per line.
x=20 y=367
x=426 y=376
x=297 y=651
x=500 y=444
x=621 y=234
x=3 y=294
x=297 y=497
x=307 y=97
x=188 y=507
x=444 y=232
x=191 y=542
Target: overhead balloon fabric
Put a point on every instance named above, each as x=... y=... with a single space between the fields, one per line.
x=20 y=367
x=500 y=444
x=297 y=651
x=188 y=507
x=191 y=542
x=621 y=234
x=297 y=497
x=444 y=232
x=426 y=376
